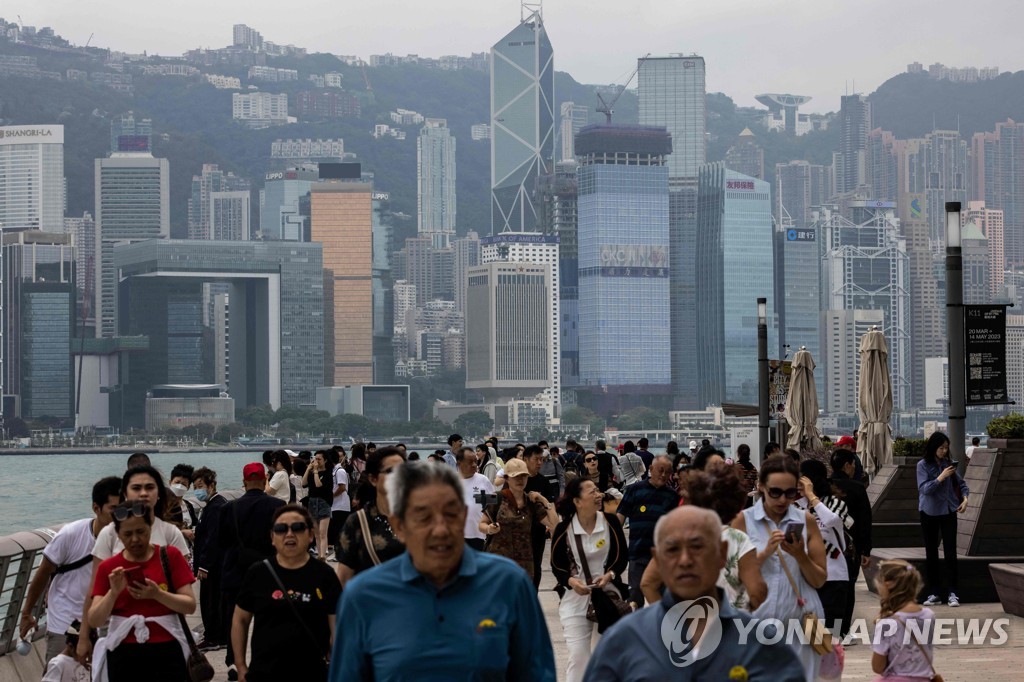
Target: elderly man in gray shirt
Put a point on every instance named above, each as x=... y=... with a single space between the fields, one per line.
x=654 y=643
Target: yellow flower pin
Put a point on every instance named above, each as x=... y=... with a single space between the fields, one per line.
x=601 y=543
x=643 y=508
x=319 y=594
x=486 y=624
x=738 y=673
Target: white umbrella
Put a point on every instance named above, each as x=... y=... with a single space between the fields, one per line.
x=802 y=404
x=874 y=402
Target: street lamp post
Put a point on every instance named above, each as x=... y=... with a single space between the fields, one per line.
x=762 y=372
x=957 y=413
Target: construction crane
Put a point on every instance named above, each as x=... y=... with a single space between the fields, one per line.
x=89 y=40
x=607 y=108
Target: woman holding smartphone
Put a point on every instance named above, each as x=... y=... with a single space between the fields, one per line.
x=131 y=591
x=790 y=551
x=942 y=494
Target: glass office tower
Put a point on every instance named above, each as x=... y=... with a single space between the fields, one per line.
x=623 y=260
x=734 y=249
x=522 y=123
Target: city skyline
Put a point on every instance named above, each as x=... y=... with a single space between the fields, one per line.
x=822 y=63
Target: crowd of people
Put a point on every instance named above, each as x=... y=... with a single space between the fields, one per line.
x=322 y=554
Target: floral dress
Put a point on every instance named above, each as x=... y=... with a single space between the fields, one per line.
x=729 y=579
x=513 y=540
x=353 y=547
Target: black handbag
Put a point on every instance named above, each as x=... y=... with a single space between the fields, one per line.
x=605 y=608
x=199 y=669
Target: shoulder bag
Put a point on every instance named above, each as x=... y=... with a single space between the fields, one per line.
x=199 y=669
x=817 y=635
x=605 y=608
x=295 y=612
x=364 y=524
x=935 y=676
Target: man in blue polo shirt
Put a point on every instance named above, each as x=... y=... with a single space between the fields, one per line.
x=692 y=633
x=643 y=504
x=441 y=610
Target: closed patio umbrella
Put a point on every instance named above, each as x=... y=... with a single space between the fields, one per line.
x=802 y=404
x=874 y=402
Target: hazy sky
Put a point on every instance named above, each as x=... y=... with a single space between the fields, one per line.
x=805 y=47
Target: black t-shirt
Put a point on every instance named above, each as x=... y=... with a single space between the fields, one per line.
x=281 y=649
x=325 y=491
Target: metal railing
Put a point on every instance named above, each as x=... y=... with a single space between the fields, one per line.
x=20 y=555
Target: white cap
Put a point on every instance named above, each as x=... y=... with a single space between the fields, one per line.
x=693 y=445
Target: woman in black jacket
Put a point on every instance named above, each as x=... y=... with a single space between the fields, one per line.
x=585 y=530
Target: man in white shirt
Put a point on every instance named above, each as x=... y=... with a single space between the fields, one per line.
x=341 y=505
x=68 y=561
x=473 y=483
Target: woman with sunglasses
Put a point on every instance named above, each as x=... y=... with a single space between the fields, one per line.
x=292 y=600
x=131 y=591
x=788 y=544
x=367 y=538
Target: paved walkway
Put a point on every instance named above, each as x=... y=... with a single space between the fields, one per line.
x=954 y=662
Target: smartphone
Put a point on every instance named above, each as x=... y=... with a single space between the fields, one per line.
x=794 y=531
x=134 y=575
x=955 y=464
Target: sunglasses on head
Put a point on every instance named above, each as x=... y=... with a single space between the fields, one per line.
x=137 y=509
x=790 y=493
x=295 y=527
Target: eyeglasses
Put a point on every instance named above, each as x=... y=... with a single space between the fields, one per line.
x=295 y=527
x=590 y=459
x=137 y=509
x=790 y=493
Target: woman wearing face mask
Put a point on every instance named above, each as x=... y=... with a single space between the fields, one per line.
x=180 y=511
x=207 y=557
x=789 y=548
x=144 y=638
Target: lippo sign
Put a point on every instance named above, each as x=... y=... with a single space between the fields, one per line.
x=31 y=135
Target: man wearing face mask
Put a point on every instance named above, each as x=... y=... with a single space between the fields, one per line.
x=208 y=559
x=180 y=511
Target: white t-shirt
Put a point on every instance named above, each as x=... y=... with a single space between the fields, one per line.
x=63 y=668
x=904 y=656
x=474 y=512
x=341 y=502
x=279 y=486
x=164 y=534
x=67 y=590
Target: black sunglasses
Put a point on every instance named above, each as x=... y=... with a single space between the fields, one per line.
x=295 y=527
x=137 y=509
x=590 y=459
x=790 y=493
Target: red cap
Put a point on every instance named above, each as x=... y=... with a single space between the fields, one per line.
x=253 y=470
x=845 y=440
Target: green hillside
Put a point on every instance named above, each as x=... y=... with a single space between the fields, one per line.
x=192 y=122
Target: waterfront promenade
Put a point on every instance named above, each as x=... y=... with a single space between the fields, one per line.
x=954 y=662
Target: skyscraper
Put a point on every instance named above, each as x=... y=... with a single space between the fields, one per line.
x=32 y=178
x=735 y=248
x=218 y=207
x=936 y=166
x=559 y=193
x=435 y=182
x=130 y=134
x=854 y=126
x=799 y=186
x=522 y=122
x=467 y=254
x=672 y=93
x=342 y=221
x=866 y=268
x=991 y=224
x=975 y=249
x=746 y=156
x=927 y=300
x=39 y=322
x=84 y=231
x=534 y=249
x=573 y=118
x=998 y=172
x=280 y=215
x=132 y=204
x=623 y=266
x=503 y=299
